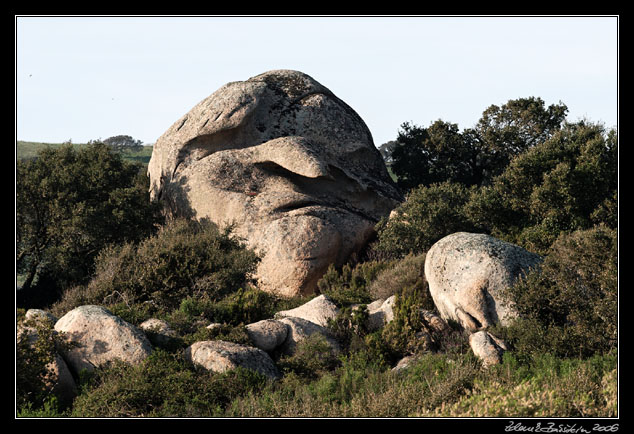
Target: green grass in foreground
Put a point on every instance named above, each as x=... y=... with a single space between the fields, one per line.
x=435 y=386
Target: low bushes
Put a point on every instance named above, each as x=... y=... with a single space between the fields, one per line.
x=550 y=387
x=562 y=361
x=570 y=307
x=185 y=260
x=35 y=349
x=164 y=385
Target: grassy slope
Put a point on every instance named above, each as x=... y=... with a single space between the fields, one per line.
x=25 y=150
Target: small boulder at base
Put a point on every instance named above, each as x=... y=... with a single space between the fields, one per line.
x=380 y=313
x=267 y=334
x=221 y=356
x=319 y=310
x=98 y=337
x=158 y=331
x=405 y=363
x=300 y=329
x=487 y=347
x=40 y=315
x=468 y=274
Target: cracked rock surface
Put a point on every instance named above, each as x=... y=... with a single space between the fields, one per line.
x=99 y=337
x=292 y=166
x=468 y=274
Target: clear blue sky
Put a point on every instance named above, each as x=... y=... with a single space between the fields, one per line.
x=85 y=78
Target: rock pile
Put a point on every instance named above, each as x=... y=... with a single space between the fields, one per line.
x=96 y=336
x=467 y=274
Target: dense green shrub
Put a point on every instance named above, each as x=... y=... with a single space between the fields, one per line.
x=548 y=387
x=36 y=347
x=349 y=285
x=311 y=358
x=34 y=351
x=163 y=385
x=69 y=205
x=349 y=327
x=185 y=259
x=570 y=306
x=244 y=306
x=408 y=333
x=428 y=214
x=567 y=183
x=406 y=273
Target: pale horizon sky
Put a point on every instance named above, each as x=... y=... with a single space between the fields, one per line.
x=92 y=77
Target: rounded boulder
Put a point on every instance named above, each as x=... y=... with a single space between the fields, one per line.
x=291 y=166
x=97 y=336
x=468 y=275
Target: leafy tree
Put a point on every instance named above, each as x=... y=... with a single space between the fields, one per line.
x=121 y=142
x=428 y=214
x=473 y=157
x=570 y=306
x=519 y=124
x=567 y=183
x=69 y=205
x=430 y=155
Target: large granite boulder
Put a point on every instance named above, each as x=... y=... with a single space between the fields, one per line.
x=97 y=336
x=468 y=275
x=292 y=166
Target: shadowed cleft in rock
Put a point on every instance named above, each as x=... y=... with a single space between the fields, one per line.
x=285 y=161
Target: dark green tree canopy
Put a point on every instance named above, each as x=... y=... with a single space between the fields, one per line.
x=121 y=142
x=474 y=156
x=69 y=205
x=568 y=182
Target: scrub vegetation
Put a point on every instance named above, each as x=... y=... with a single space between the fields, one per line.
x=86 y=233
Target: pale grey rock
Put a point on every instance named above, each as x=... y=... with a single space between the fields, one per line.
x=99 y=337
x=300 y=329
x=288 y=163
x=267 y=334
x=40 y=314
x=436 y=324
x=468 y=274
x=375 y=305
x=61 y=381
x=487 y=347
x=319 y=310
x=221 y=356
x=405 y=363
x=380 y=314
x=158 y=331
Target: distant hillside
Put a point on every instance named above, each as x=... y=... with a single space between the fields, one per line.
x=26 y=150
